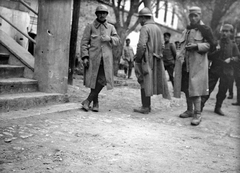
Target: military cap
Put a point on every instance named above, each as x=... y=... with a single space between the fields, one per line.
x=167 y=34
x=195 y=10
x=228 y=27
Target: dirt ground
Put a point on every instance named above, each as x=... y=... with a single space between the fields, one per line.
x=117 y=140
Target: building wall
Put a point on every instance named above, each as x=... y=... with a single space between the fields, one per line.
x=20 y=19
x=87 y=14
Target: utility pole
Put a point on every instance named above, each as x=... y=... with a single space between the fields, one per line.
x=73 y=39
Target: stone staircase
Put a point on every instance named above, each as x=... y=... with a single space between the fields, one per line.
x=17 y=92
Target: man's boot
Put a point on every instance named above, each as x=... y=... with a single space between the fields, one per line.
x=218 y=110
x=85 y=105
x=236 y=104
x=197 y=111
x=146 y=102
x=95 y=107
x=197 y=118
x=238 y=100
x=189 y=112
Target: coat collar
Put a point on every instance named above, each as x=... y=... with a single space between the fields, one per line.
x=97 y=24
x=149 y=22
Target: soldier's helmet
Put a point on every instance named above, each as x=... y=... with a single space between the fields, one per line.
x=101 y=8
x=145 y=12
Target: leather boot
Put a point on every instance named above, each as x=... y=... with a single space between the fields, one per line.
x=189 y=112
x=95 y=107
x=146 y=102
x=197 y=118
x=186 y=114
x=85 y=105
x=218 y=111
x=143 y=110
x=236 y=104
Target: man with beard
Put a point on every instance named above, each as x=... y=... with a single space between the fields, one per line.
x=221 y=68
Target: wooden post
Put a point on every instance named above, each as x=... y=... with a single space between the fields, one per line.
x=52 y=45
x=73 y=39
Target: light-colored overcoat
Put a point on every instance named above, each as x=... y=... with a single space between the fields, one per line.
x=149 y=58
x=197 y=63
x=95 y=49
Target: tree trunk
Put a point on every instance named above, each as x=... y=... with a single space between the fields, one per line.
x=73 y=39
x=117 y=51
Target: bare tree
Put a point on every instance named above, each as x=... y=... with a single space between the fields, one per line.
x=214 y=11
x=125 y=23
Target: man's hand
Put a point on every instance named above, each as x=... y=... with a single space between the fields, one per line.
x=228 y=60
x=105 y=38
x=86 y=63
x=191 y=46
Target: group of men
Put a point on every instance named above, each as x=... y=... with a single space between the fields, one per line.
x=191 y=63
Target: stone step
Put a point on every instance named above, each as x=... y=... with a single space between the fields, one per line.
x=20 y=101
x=4 y=58
x=18 y=85
x=10 y=71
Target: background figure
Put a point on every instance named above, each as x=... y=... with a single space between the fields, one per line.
x=230 y=87
x=222 y=67
x=169 y=56
x=191 y=77
x=177 y=45
x=149 y=68
x=96 y=53
x=128 y=55
x=236 y=67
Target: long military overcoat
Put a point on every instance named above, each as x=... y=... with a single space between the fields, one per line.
x=149 y=67
x=95 y=49
x=198 y=65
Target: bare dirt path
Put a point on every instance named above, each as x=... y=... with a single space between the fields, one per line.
x=118 y=140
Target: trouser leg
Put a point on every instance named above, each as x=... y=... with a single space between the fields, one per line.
x=230 y=86
x=197 y=110
x=125 y=70
x=213 y=79
x=93 y=96
x=130 y=70
x=170 y=70
x=189 y=102
x=146 y=101
x=197 y=104
x=238 y=88
x=223 y=87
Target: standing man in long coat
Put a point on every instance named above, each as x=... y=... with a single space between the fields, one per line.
x=191 y=68
x=149 y=67
x=97 y=42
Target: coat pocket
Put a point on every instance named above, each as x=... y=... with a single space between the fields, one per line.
x=145 y=68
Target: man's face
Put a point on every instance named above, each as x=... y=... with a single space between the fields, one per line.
x=225 y=33
x=101 y=15
x=127 y=42
x=237 y=40
x=166 y=38
x=194 y=18
x=142 y=20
